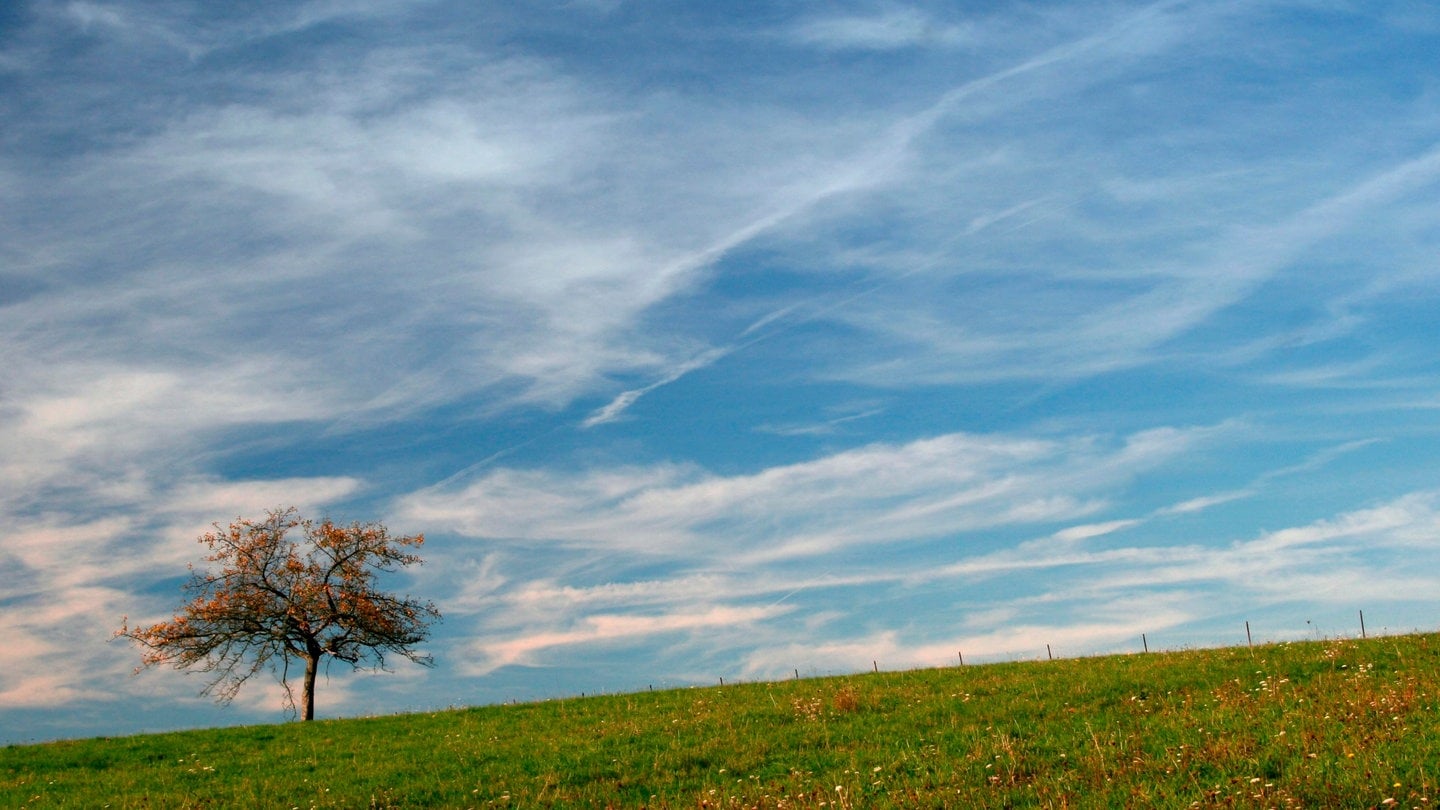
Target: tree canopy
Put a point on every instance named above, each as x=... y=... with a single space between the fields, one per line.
x=272 y=602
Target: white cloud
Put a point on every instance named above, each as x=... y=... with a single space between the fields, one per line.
x=90 y=14
x=1062 y=592
x=111 y=435
x=1089 y=530
x=756 y=540
x=40 y=691
x=609 y=628
x=509 y=207
x=621 y=403
x=1367 y=555
x=879 y=494
x=891 y=29
x=184 y=29
x=245 y=498
x=68 y=581
x=537 y=220
x=1204 y=502
x=1131 y=313
x=890 y=651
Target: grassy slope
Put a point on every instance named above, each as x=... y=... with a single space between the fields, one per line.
x=1320 y=724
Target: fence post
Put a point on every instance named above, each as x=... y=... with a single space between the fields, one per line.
x=1248 y=640
x=1049 y=654
x=961 y=653
x=1362 y=624
x=1145 y=642
x=876 y=665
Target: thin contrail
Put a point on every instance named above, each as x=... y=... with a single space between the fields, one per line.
x=887 y=152
x=488 y=460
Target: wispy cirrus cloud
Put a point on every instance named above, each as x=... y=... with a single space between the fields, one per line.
x=872 y=495
x=1114 y=319
x=597 y=629
x=891 y=28
x=749 y=541
x=1095 y=572
x=335 y=171
x=1109 y=596
x=1321 y=561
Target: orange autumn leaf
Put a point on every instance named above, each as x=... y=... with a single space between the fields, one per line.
x=272 y=601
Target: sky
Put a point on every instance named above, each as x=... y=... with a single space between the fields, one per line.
x=717 y=340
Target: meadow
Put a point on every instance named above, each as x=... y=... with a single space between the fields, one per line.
x=1332 y=723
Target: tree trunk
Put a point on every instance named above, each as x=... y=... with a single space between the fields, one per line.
x=312 y=663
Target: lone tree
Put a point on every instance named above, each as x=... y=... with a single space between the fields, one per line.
x=276 y=602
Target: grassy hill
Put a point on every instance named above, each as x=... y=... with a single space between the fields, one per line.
x=1343 y=723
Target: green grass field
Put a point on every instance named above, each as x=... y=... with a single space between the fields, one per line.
x=1325 y=724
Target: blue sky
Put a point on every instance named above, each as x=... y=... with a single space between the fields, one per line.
x=718 y=340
